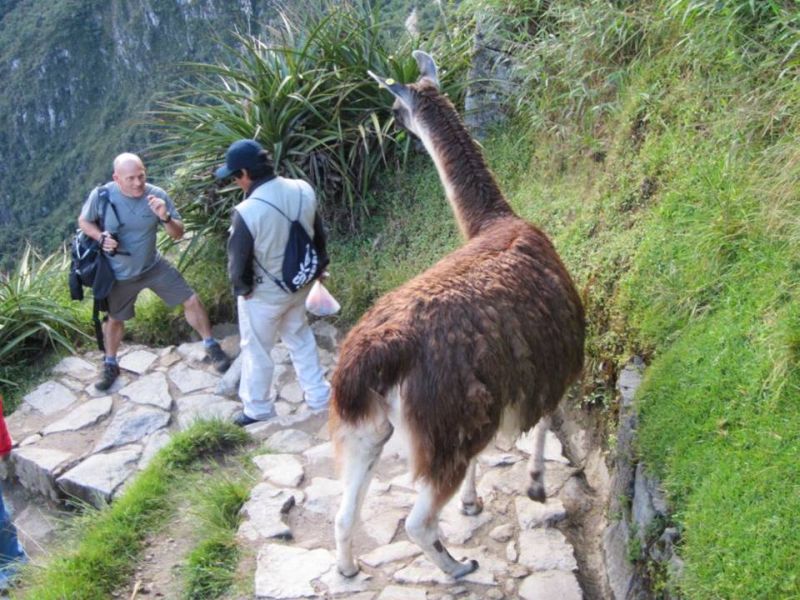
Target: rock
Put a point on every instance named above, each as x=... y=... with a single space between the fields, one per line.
x=193 y=352
x=190 y=380
x=390 y=553
x=320 y=453
x=284 y=470
x=204 y=407
x=422 y=571
x=552 y=446
x=284 y=572
x=532 y=514
x=397 y=592
x=150 y=389
x=31 y=439
x=512 y=554
x=131 y=424
x=292 y=392
x=153 y=443
x=290 y=441
x=37 y=468
x=384 y=512
x=138 y=361
x=323 y=496
x=50 y=397
x=228 y=385
x=502 y=533
x=120 y=383
x=546 y=585
x=339 y=585
x=83 y=415
x=96 y=478
x=280 y=355
x=498 y=459
x=76 y=367
x=263 y=513
x=459 y=528
x=325 y=334
x=545 y=549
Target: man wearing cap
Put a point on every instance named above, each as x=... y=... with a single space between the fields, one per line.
x=129 y=237
x=259 y=233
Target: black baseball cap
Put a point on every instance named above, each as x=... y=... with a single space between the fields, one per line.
x=242 y=154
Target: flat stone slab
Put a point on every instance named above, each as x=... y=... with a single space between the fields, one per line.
x=323 y=496
x=390 y=553
x=284 y=470
x=96 y=478
x=546 y=549
x=37 y=467
x=552 y=446
x=83 y=415
x=191 y=380
x=547 y=585
x=459 y=528
x=289 y=441
x=150 y=389
x=76 y=367
x=402 y=592
x=138 y=361
x=264 y=511
x=284 y=572
x=50 y=397
x=131 y=424
x=532 y=514
x=204 y=407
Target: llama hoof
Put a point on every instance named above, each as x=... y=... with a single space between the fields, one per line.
x=465 y=568
x=349 y=571
x=536 y=493
x=472 y=508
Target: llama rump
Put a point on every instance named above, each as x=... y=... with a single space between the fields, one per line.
x=489 y=337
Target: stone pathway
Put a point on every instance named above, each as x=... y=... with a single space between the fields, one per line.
x=76 y=442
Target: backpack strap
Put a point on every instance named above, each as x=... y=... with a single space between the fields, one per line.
x=272 y=277
x=285 y=216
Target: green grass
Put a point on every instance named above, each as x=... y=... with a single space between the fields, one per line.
x=212 y=563
x=110 y=540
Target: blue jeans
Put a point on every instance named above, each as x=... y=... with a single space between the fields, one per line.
x=11 y=552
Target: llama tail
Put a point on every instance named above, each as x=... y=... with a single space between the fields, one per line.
x=369 y=363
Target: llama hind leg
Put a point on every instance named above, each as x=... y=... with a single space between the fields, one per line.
x=471 y=503
x=422 y=527
x=359 y=448
x=536 y=489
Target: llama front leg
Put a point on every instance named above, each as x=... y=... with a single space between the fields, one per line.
x=359 y=448
x=471 y=504
x=422 y=528
x=536 y=490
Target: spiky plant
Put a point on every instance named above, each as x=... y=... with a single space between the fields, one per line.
x=302 y=91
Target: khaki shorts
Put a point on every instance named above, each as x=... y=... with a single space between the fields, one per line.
x=164 y=279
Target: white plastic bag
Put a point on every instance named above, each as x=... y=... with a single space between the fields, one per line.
x=319 y=301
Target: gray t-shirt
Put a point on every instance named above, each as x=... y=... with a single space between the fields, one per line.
x=136 y=228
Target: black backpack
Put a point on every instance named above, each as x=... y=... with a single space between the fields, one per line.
x=90 y=267
x=302 y=262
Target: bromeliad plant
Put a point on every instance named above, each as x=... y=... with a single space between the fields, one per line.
x=303 y=93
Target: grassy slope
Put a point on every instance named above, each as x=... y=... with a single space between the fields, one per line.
x=685 y=244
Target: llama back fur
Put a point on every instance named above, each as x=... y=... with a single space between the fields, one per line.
x=496 y=326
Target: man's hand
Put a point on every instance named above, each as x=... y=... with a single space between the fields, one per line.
x=109 y=243
x=158 y=206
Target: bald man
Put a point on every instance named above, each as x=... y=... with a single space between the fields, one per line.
x=129 y=237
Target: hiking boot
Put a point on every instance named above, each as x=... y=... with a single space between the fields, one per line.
x=242 y=420
x=110 y=374
x=219 y=359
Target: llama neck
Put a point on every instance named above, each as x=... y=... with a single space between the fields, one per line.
x=469 y=185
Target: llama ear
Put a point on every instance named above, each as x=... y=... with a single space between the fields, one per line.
x=398 y=90
x=427 y=67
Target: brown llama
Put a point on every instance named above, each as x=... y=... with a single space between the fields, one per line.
x=493 y=333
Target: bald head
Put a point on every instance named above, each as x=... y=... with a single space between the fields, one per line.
x=129 y=174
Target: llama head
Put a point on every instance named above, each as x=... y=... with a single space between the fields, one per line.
x=410 y=99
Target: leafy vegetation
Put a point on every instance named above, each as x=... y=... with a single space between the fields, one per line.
x=302 y=91
x=111 y=539
x=32 y=317
x=212 y=563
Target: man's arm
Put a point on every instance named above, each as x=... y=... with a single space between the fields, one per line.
x=173 y=227
x=240 y=257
